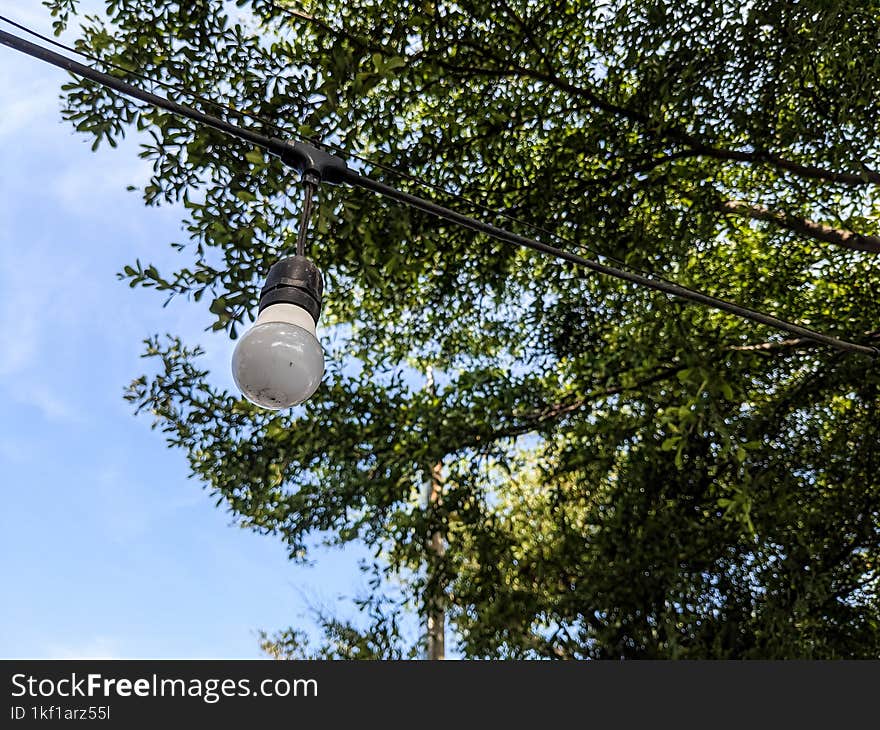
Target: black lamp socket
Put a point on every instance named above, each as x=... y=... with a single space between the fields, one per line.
x=294 y=280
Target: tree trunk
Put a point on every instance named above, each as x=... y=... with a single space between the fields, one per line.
x=435 y=613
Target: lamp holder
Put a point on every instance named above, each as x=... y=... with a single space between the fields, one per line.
x=294 y=280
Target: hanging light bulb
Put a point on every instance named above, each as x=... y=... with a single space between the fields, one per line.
x=279 y=362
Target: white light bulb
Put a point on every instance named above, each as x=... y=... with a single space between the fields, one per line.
x=279 y=362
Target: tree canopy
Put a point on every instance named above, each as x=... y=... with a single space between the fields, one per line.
x=619 y=474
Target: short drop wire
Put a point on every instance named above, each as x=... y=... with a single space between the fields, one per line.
x=310 y=183
x=336 y=171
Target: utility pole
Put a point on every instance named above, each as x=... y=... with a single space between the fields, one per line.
x=435 y=619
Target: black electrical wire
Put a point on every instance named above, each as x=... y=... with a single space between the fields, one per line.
x=31 y=49
x=240 y=113
x=307 y=159
x=298 y=14
x=245 y=113
x=311 y=187
x=659 y=285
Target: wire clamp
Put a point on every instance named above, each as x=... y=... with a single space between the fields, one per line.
x=311 y=160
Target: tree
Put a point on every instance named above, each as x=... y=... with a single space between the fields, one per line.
x=623 y=475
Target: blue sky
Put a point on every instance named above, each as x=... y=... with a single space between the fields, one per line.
x=107 y=549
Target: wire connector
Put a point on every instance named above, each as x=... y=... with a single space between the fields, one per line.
x=310 y=160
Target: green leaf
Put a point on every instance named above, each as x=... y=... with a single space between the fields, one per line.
x=670 y=443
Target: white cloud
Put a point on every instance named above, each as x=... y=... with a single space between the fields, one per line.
x=39 y=332
x=33 y=16
x=126 y=510
x=53 y=407
x=102 y=176
x=15 y=450
x=21 y=113
x=98 y=647
x=19 y=324
x=26 y=273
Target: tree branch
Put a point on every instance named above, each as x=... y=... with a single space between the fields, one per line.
x=696 y=146
x=776 y=346
x=362 y=41
x=803 y=226
x=790 y=344
x=528 y=422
